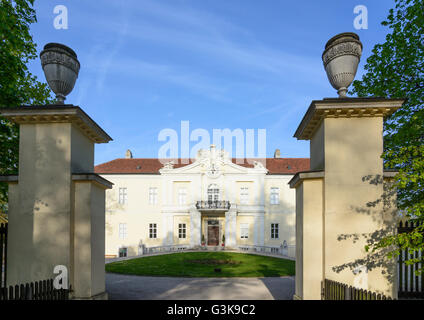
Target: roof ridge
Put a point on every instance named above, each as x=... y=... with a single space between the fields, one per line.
x=153 y=165
x=270 y=158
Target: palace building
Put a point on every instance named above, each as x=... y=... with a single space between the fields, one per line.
x=213 y=200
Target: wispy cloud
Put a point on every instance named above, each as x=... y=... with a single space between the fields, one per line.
x=189 y=30
x=176 y=75
x=265 y=111
x=180 y=30
x=111 y=53
x=100 y=58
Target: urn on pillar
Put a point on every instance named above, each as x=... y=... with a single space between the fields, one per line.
x=341 y=58
x=61 y=68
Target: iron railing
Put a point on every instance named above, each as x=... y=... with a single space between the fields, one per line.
x=220 y=205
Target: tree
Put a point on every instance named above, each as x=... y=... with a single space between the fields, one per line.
x=396 y=70
x=17 y=85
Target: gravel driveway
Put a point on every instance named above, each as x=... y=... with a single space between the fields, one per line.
x=128 y=287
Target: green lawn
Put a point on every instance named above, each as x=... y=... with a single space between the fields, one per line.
x=203 y=264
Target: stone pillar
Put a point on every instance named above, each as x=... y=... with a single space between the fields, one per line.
x=261 y=228
x=195 y=227
x=56 y=213
x=233 y=233
x=309 y=234
x=339 y=202
x=89 y=235
x=169 y=229
x=230 y=228
x=231 y=224
x=258 y=229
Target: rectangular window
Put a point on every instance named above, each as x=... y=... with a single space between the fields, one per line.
x=244 y=195
x=123 y=197
x=274 y=231
x=153 y=195
x=153 y=231
x=123 y=231
x=182 y=196
x=181 y=230
x=244 y=230
x=275 y=196
x=123 y=252
x=213 y=193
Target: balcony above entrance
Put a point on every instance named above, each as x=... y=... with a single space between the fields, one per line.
x=213 y=205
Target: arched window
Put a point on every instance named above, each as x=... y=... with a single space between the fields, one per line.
x=213 y=192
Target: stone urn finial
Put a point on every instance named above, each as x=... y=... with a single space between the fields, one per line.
x=341 y=58
x=61 y=68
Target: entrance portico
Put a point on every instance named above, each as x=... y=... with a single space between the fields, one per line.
x=213 y=221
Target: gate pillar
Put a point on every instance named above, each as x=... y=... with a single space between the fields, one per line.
x=342 y=201
x=56 y=202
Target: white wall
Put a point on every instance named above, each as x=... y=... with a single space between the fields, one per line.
x=167 y=213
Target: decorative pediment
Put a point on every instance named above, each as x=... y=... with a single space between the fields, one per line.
x=213 y=163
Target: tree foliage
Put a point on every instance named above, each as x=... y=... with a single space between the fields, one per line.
x=396 y=70
x=17 y=85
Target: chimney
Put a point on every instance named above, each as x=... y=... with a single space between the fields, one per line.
x=277 y=154
x=128 y=154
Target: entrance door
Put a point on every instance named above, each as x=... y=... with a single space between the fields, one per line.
x=213 y=235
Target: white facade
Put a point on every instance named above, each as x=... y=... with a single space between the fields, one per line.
x=246 y=205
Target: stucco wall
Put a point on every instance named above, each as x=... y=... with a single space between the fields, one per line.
x=312 y=233
x=317 y=149
x=183 y=219
x=353 y=147
x=40 y=229
x=82 y=152
x=282 y=213
x=353 y=201
x=137 y=213
x=89 y=239
x=299 y=241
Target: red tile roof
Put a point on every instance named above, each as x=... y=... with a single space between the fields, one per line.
x=152 y=166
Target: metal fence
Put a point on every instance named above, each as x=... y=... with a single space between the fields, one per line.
x=333 y=290
x=3 y=254
x=40 y=290
x=410 y=285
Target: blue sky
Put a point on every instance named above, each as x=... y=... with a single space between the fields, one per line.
x=148 y=65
